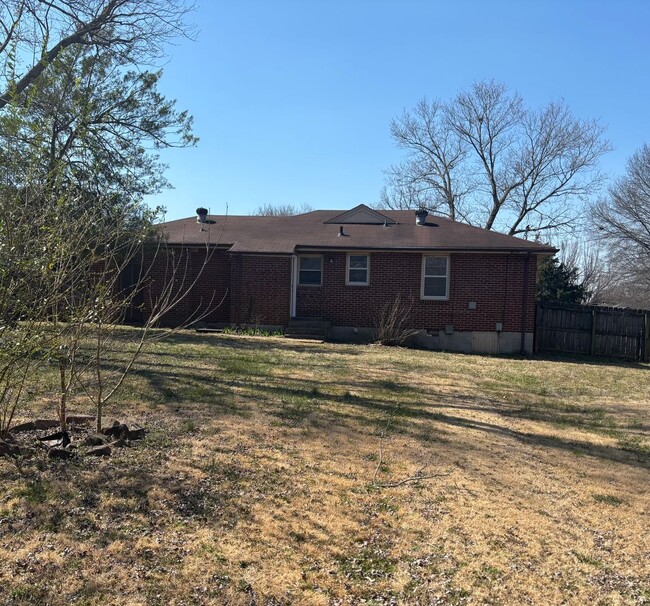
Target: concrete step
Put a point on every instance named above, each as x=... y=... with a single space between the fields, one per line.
x=309 y=337
x=309 y=323
x=315 y=332
x=307 y=328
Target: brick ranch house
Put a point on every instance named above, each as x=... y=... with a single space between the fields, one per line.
x=469 y=289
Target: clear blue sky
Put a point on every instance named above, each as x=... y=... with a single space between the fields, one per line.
x=292 y=99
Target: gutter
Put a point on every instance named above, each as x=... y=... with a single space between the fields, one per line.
x=465 y=249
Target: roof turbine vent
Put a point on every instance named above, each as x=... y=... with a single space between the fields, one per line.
x=202 y=215
x=421 y=216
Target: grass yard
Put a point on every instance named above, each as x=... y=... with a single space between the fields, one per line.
x=283 y=472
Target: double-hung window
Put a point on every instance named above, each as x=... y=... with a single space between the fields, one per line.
x=435 y=277
x=310 y=270
x=358 y=270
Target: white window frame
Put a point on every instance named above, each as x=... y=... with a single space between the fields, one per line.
x=320 y=257
x=349 y=282
x=423 y=276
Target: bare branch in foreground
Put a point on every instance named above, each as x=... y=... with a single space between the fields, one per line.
x=415 y=478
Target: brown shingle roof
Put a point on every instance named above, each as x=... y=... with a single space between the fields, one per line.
x=310 y=231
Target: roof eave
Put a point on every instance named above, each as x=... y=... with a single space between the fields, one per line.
x=539 y=251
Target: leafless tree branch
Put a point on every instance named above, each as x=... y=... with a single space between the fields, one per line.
x=486 y=159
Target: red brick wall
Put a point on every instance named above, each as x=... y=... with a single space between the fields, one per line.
x=493 y=281
x=261 y=292
x=257 y=290
x=208 y=298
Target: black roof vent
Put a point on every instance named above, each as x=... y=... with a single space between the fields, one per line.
x=202 y=215
x=421 y=216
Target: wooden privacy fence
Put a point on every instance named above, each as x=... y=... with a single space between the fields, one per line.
x=593 y=330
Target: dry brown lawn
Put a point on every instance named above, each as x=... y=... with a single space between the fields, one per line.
x=288 y=472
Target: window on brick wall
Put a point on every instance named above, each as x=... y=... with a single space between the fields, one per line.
x=310 y=270
x=358 y=270
x=435 y=277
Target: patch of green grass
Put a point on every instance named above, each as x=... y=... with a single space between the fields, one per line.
x=244 y=586
x=26 y=594
x=370 y=563
x=251 y=331
x=246 y=365
x=586 y=559
x=609 y=499
x=562 y=414
x=457 y=597
x=295 y=409
x=635 y=444
x=34 y=492
x=189 y=426
x=490 y=573
x=390 y=384
x=387 y=506
x=55 y=521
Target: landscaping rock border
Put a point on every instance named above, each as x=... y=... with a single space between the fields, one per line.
x=80 y=439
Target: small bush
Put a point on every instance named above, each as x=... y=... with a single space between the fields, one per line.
x=392 y=324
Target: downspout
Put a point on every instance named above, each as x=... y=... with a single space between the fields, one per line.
x=294 y=281
x=505 y=302
x=524 y=305
x=241 y=288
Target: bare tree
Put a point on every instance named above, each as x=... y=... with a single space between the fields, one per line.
x=277 y=210
x=487 y=159
x=98 y=357
x=32 y=291
x=403 y=194
x=591 y=265
x=34 y=32
x=22 y=301
x=622 y=225
x=431 y=176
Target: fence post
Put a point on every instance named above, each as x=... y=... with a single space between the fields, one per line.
x=645 y=356
x=592 y=343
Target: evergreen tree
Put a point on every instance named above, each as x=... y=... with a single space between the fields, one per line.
x=560 y=284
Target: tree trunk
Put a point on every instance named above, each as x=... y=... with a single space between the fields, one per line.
x=63 y=398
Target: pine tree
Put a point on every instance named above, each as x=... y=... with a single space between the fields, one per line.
x=560 y=284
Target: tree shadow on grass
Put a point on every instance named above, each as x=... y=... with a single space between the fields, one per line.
x=583 y=360
x=317 y=402
x=256 y=344
x=304 y=405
